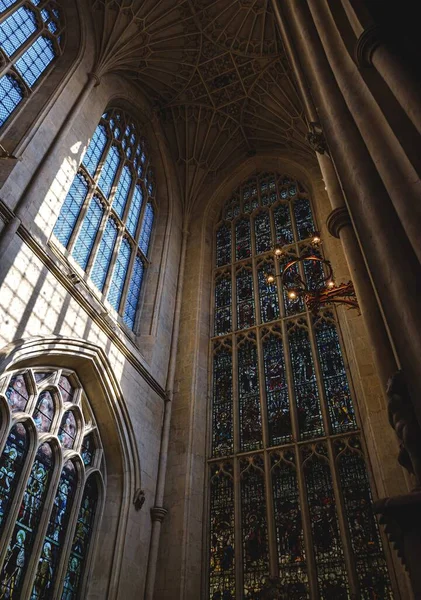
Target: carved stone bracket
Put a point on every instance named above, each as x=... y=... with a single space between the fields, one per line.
x=158 y=513
x=139 y=499
x=338 y=218
x=316 y=139
x=369 y=40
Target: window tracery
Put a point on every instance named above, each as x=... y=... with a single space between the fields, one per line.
x=288 y=481
x=31 y=38
x=49 y=485
x=107 y=217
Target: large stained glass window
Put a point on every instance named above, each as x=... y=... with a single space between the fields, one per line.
x=31 y=38
x=289 y=493
x=49 y=505
x=106 y=220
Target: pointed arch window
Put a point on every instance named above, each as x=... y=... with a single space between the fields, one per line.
x=31 y=38
x=106 y=220
x=52 y=404
x=288 y=481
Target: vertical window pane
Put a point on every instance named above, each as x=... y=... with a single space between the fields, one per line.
x=145 y=234
x=242 y=239
x=70 y=210
x=44 y=412
x=68 y=430
x=5 y=4
x=11 y=95
x=109 y=170
x=11 y=465
x=56 y=533
x=245 y=298
x=223 y=300
x=249 y=397
x=283 y=227
x=32 y=64
x=21 y=544
x=17 y=393
x=262 y=232
x=119 y=275
x=133 y=294
x=268 y=295
x=222 y=574
x=134 y=212
x=277 y=397
x=223 y=245
x=81 y=541
x=122 y=192
x=104 y=254
x=303 y=218
x=222 y=413
x=16 y=29
x=254 y=526
x=95 y=150
x=87 y=234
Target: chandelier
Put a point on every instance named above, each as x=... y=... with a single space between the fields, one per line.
x=318 y=287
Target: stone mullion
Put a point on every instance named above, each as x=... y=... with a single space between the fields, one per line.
x=120 y=235
x=128 y=278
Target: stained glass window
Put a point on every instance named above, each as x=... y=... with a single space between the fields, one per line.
x=111 y=205
x=286 y=468
x=39 y=503
x=37 y=34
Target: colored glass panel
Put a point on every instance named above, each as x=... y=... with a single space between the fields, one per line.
x=104 y=254
x=119 y=275
x=288 y=526
x=327 y=544
x=11 y=95
x=364 y=531
x=292 y=306
x=68 y=430
x=42 y=375
x=88 y=232
x=32 y=64
x=223 y=300
x=16 y=29
x=254 y=526
x=122 y=192
x=221 y=569
x=88 y=450
x=44 y=411
x=245 y=298
x=262 y=232
x=268 y=295
x=52 y=548
x=303 y=218
x=305 y=385
x=70 y=210
x=223 y=245
x=81 y=542
x=242 y=239
x=283 y=227
x=95 y=150
x=133 y=294
x=21 y=544
x=17 y=393
x=5 y=4
x=277 y=397
x=222 y=409
x=66 y=388
x=335 y=381
x=12 y=460
x=249 y=400
x=146 y=231
x=109 y=170
x=134 y=212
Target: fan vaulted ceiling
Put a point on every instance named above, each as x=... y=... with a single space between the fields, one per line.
x=215 y=71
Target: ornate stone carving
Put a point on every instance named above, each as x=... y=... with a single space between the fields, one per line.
x=316 y=139
x=403 y=420
x=366 y=44
x=139 y=499
x=338 y=218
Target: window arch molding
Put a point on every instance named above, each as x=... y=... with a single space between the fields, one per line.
x=95 y=373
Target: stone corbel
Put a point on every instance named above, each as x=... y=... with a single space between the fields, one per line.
x=369 y=40
x=158 y=513
x=338 y=218
x=316 y=139
x=139 y=499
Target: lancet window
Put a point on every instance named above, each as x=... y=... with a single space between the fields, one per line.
x=31 y=38
x=51 y=473
x=106 y=220
x=289 y=490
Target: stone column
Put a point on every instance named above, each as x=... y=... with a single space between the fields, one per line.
x=394 y=268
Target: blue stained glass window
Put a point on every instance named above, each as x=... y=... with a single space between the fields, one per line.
x=21 y=544
x=119 y=274
x=268 y=295
x=283 y=227
x=249 y=396
x=133 y=294
x=5 y=4
x=223 y=299
x=262 y=232
x=222 y=410
x=223 y=245
x=81 y=541
x=88 y=232
x=104 y=254
x=303 y=218
x=11 y=95
x=53 y=544
x=32 y=64
x=88 y=450
x=70 y=210
x=242 y=239
x=17 y=393
x=145 y=234
x=44 y=411
x=245 y=298
x=11 y=465
x=109 y=170
x=95 y=150
x=277 y=396
x=134 y=212
x=16 y=29
x=122 y=192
